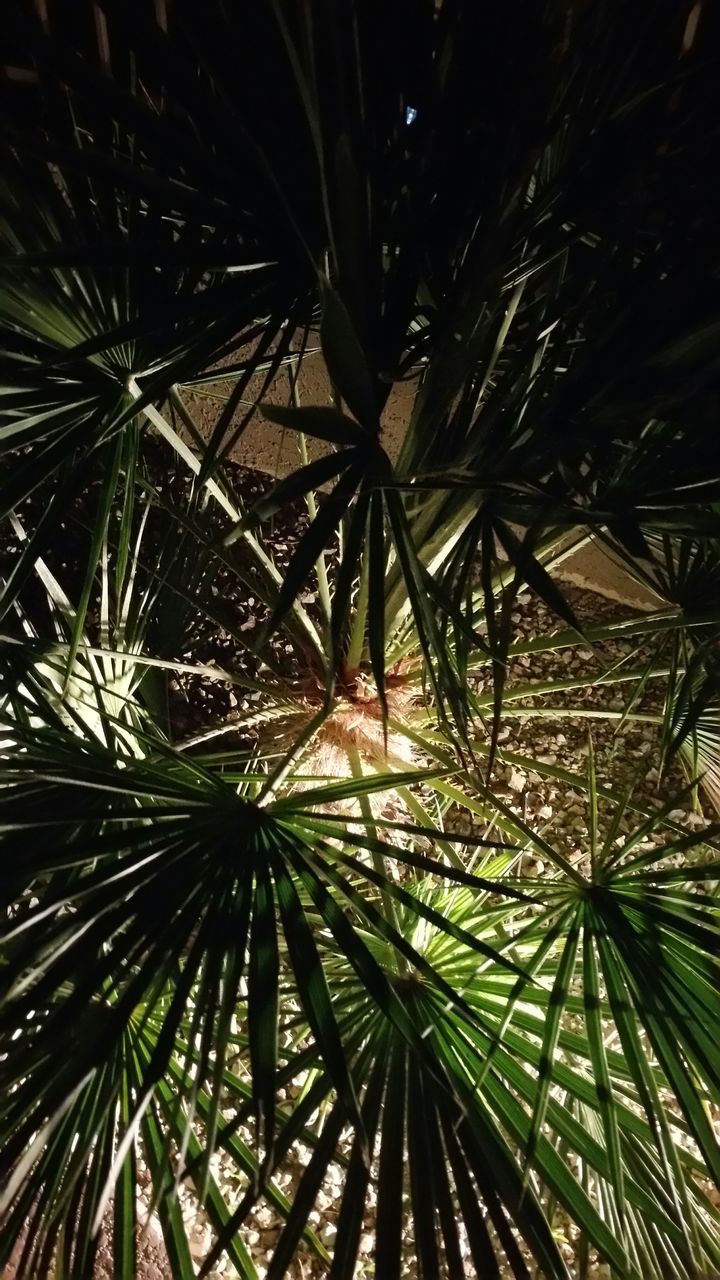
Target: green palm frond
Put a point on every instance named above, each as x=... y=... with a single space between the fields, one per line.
x=295 y=956
x=462 y=1101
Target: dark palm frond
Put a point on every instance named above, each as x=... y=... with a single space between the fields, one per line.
x=137 y=957
x=685 y=574
x=547 y=355
x=231 y=956
x=110 y=917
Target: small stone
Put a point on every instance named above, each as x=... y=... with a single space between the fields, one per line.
x=696 y=820
x=199 y=1245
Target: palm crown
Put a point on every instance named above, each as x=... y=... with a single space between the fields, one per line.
x=308 y=940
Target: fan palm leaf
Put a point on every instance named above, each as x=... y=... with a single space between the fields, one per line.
x=316 y=950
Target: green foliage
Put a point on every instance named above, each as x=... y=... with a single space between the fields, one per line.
x=318 y=948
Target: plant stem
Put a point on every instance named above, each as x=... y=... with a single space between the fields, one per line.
x=357 y=632
x=378 y=861
x=320 y=565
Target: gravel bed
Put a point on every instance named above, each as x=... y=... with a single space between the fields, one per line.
x=559 y=811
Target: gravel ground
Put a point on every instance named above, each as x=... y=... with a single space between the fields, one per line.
x=559 y=811
x=151 y=1255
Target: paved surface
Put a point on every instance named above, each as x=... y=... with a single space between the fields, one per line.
x=268 y=448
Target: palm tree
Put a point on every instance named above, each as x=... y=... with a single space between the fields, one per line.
x=316 y=948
